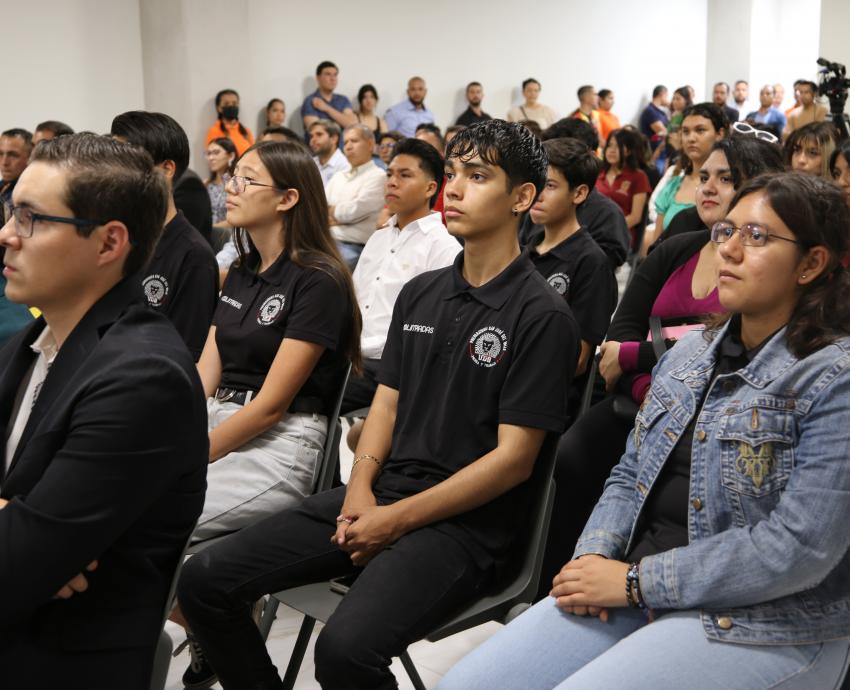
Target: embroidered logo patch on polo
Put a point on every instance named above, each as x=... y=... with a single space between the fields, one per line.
x=156 y=289
x=487 y=346
x=559 y=281
x=270 y=309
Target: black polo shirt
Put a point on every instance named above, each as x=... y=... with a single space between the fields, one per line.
x=469 y=118
x=464 y=360
x=257 y=311
x=579 y=271
x=182 y=282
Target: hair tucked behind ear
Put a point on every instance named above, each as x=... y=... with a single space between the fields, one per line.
x=815 y=210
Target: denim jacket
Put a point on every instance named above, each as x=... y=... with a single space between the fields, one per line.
x=769 y=499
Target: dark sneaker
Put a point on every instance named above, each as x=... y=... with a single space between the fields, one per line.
x=200 y=674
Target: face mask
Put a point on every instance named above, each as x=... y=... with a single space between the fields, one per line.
x=230 y=112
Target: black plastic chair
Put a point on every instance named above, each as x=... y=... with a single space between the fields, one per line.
x=512 y=595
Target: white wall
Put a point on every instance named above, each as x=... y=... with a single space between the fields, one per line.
x=265 y=48
x=79 y=61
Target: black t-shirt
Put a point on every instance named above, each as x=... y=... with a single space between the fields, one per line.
x=182 y=282
x=469 y=118
x=257 y=311
x=464 y=360
x=686 y=220
x=579 y=271
x=664 y=520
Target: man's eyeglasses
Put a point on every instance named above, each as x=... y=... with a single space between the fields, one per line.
x=744 y=128
x=25 y=220
x=752 y=235
x=387 y=146
x=238 y=184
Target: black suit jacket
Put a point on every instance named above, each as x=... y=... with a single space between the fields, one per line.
x=111 y=467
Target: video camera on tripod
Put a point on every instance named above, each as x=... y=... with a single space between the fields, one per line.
x=833 y=83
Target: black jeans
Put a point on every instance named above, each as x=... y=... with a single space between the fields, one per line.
x=587 y=453
x=406 y=591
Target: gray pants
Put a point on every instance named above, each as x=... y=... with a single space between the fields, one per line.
x=271 y=472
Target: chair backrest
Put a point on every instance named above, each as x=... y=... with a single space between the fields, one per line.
x=330 y=457
x=518 y=583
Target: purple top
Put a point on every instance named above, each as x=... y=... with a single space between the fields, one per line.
x=675 y=300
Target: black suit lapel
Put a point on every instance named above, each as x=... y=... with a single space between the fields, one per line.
x=16 y=358
x=76 y=350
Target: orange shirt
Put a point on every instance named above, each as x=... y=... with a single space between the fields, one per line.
x=239 y=141
x=608 y=122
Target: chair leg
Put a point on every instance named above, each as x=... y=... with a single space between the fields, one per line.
x=298 y=652
x=269 y=613
x=407 y=662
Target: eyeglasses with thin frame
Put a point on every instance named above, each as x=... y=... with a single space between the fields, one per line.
x=751 y=234
x=744 y=128
x=239 y=183
x=26 y=218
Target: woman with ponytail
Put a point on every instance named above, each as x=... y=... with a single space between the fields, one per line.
x=228 y=125
x=718 y=553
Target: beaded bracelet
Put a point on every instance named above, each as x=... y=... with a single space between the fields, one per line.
x=633 y=593
x=364 y=456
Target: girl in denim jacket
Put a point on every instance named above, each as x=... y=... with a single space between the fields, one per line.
x=717 y=556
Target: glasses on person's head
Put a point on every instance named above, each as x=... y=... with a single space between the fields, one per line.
x=238 y=184
x=751 y=234
x=744 y=128
x=26 y=218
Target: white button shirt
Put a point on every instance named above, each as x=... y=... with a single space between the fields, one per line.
x=357 y=197
x=336 y=163
x=391 y=257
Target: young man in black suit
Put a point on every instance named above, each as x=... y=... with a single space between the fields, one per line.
x=103 y=433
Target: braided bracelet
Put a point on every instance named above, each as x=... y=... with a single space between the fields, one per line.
x=633 y=593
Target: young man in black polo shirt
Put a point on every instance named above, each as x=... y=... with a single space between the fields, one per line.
x=475 y=372
x=563 y=252
x=182 y=278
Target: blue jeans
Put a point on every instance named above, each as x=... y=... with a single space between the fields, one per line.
x=545 y=648
x=350 y=251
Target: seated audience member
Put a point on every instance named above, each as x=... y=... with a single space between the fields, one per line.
x=741 y=98
x=702 y=126
x=181 y=280
x=280 y=133
x=431 y=134
x=839 y=163
x=355 y=196
x=473 y=113
x=768 y=114
x=676 y=282
x=717 y=555
x=622 y=180
x=405 y=116
x=437 y=490
x=275 y=113
x=105 y=444
x=324 y=103
x=680 y=102
x=608 y=122
x=387 y=144
x=565 y=253
x=413 y=241
x=809 y=148
x=324 y=143
x=193 y=200
x=778 y=96
x=221 y=153
x=588 y=104
x=720 y=98
x=228 y=125
x=654 y=119
x=50 y=129
x=452 y=130
x=809 y=110
x=601 y=217
x=366 y=113
x=530 y=109
x=15 y=149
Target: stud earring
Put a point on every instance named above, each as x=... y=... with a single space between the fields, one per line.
x=515 y=212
